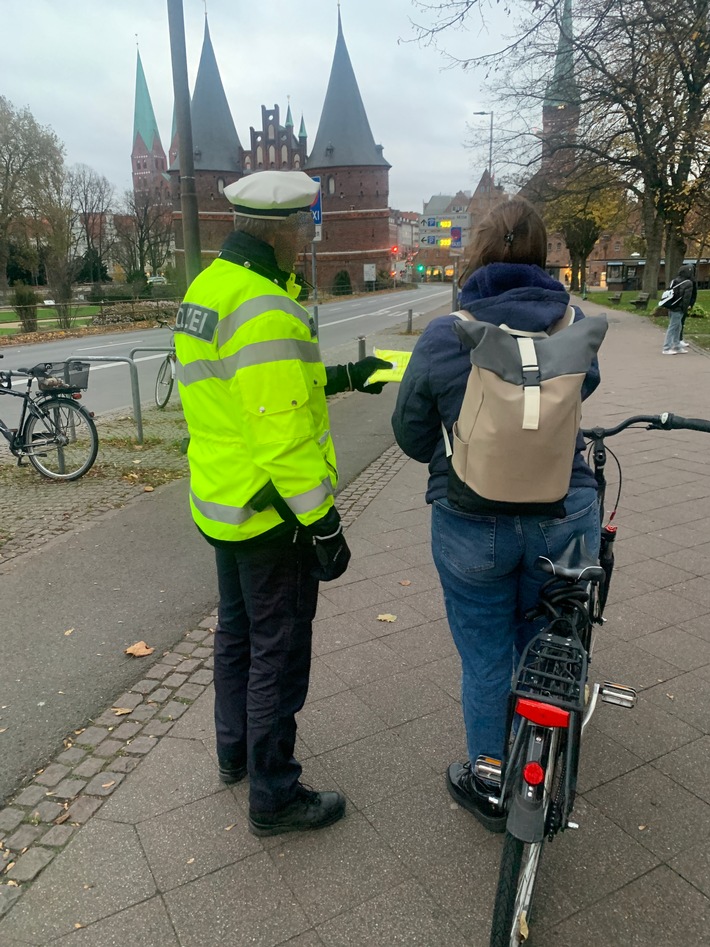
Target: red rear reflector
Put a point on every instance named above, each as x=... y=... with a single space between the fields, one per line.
x=544 y=714
x=533 y=774
x=76 y=396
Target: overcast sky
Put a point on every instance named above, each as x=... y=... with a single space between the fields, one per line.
x=73 y=64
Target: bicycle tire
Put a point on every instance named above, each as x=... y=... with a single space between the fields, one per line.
x=164 y=383
x=62 y=442
x=519 y=866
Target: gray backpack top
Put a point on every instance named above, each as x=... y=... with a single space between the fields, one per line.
x=514 y=440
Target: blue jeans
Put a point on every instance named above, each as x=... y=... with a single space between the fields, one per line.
x=673 y=332
x=487 y=570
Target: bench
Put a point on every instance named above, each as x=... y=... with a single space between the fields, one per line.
x=641 y=301
x=615 y=298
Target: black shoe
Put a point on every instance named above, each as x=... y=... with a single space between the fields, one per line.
x=230 y=774
x=309 y=810
x=472 y=794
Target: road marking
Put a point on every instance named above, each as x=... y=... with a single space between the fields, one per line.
x=107 y=346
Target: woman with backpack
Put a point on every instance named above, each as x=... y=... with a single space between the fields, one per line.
x=486 y=559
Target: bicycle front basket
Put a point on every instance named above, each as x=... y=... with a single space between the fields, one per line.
x=59 y=375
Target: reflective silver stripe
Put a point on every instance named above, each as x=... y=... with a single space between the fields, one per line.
x=221 y=512
x=311 y=499
x=323 y=438
x=256 y=307
x=259 y=353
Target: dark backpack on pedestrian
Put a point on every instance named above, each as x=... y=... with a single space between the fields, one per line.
x=514 y=440
x=672 y=298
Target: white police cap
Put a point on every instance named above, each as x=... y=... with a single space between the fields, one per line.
x=272 y=195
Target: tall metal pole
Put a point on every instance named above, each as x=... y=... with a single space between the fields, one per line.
x=490 y=166
x=188 y=195
x=314 y=280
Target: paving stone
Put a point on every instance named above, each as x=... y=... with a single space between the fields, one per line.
x=172 y=711
x=173 y=659
x=140 y=746
x=82 y=810
x=104 y=783
x=690 y=766
x=46 y=811
x=145 y=686
x=189 y=691
x=157 y=728
x=142 y=713
x=175 y=773
x=29 y=865
x=159 y=671
x=128 y=700
x=201 y=677
x=52 y=775
x=145 y=925
x=126 y=731
x=124 y=764
x=71 y=756
x=335 y=721
x=24 y=837
x=202 y=653
x=208 y=664
x=259 y=916
x=175 y=680
x=185 y=647
x=188 y=666
x=30 y=796
x=199 y=634
x=196 y=839
x=109 y=748
x=89 y=767
x=160 y=695
x=69 y=788
x=8 y=895
x=101 y=872
x=58 y=835
x=92 y=736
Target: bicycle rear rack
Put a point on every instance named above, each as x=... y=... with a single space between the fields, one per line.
x=555 y=669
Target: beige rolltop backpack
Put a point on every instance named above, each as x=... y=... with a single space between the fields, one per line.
x=514 y=440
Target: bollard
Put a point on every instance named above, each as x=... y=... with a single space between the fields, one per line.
x=409 y=322
x=361 y=352
x=315 y=318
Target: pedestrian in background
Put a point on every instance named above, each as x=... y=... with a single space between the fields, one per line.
x=262 y=477
x=683 y=292
x=487 y=562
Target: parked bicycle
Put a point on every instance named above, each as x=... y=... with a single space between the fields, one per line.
x=55 y=434
x=552 y=701
x=165 y=380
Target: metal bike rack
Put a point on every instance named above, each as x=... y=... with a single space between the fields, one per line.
x=133 y=371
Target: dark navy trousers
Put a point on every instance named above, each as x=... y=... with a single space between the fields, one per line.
x=262 y=662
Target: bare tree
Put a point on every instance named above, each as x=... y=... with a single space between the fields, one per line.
x=28 y=154
x=94 y=195
x=143 y=235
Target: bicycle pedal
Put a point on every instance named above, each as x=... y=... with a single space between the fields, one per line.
x=488 y=768
x=618 y=694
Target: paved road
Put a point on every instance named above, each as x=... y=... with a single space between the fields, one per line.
x=140 y=572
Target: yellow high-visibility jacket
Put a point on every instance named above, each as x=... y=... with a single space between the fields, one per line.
x=251 y=383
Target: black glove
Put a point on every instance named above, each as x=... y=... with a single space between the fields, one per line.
x=359 y=372
x=331 y=549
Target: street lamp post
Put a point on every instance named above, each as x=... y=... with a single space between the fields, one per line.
x=490 y=158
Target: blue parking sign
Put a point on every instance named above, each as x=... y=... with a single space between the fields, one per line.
x=455 y=236
x=316 y=206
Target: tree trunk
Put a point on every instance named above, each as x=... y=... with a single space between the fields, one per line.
x=675 y=252
x=654 y=242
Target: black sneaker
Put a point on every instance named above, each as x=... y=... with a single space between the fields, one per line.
x=472 y=794
x=231 y=774
x=309 y=810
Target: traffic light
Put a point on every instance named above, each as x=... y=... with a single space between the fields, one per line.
x=420 y=268
x=394 y=250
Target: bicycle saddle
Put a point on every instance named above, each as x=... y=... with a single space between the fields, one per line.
x=575 y=563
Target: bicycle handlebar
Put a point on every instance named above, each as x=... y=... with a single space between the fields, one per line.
x=653 y=422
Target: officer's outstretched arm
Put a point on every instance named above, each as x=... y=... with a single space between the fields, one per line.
x=354 y=375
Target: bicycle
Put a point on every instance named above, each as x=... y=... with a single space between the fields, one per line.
x=165 y=379
x=55 y=434
x=551 y=701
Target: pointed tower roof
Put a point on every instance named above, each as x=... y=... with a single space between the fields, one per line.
x=344 y=137
x=302 y=130
x=214 y=136
x=289 y=117
x=563 y=88
x=144 y=123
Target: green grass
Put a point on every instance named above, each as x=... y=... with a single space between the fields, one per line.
x=697 y=327
x=49 y=315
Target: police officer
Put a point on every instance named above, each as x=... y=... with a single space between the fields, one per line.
x=262 y=477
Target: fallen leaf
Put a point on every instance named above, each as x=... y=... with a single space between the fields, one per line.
x=190 y=861
x=9 y=866
x=642 y=827
x=524 y=929
x=68 y=631
x=228 y=828
x=3 y=729
x=387 y=617
x=139 y=650
x=13 y=884
x=108 y=784
x=670 y=696
x=405 y=582
x=148 y=489
x=77 y=926
x=62 y=818
x=120 y=711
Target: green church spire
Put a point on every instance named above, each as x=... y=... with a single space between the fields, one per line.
x=144 y=123
x=563 y=89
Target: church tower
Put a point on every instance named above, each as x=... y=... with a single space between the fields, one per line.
x=148 y=162
x=561 y=106
x=354 y=181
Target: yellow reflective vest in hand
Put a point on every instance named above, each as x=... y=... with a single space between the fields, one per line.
x=251 y=383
